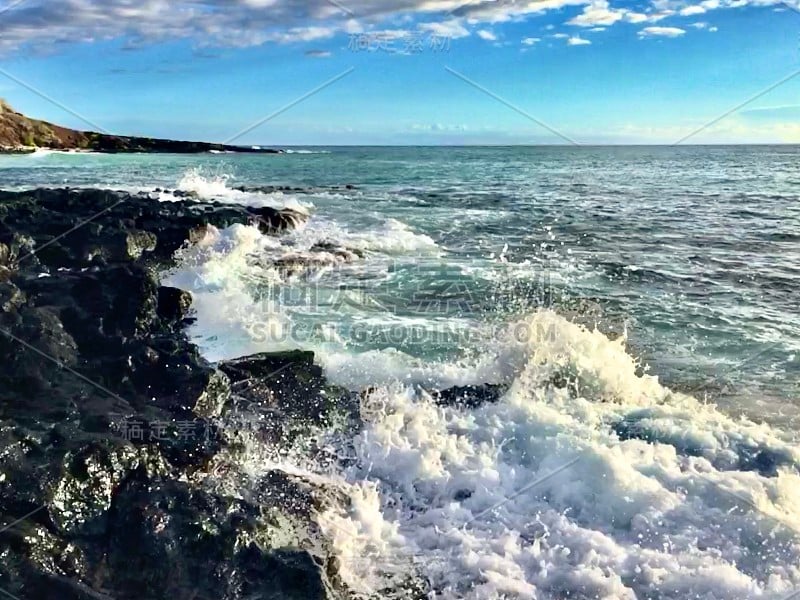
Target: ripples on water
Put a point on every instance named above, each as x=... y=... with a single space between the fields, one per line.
x=696 y=248
x=687 y=257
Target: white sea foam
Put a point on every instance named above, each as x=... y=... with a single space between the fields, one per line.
x=45 y=152
x=587 y=479
x=539 y=496
x=242 y=299
x=290 y=151
x=389 y=237
x=220 y=275
x=395 y=237
x=217 y=187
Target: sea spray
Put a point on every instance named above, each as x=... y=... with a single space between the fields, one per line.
x=587 y=479
x=217 y=187
x=537 y=496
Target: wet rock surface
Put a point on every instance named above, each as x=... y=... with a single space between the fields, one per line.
x=109 y=415
x=469 y=396
x=320 y=256
x=288 y=382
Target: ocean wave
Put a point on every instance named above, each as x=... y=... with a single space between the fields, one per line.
x=586 y=479
x=216 y=187
x=538 y=496
x=39 y=153
x=255 y=293
x=387 y=236
x=289 y=151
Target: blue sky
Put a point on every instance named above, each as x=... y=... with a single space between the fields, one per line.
x=409 y=71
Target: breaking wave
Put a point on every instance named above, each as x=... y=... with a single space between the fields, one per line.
x=217 y=188
x=587 y=479
x=584 y=478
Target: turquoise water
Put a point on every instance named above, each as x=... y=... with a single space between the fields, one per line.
x=693 y=251
x=617 y=463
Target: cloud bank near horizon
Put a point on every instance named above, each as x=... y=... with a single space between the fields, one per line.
x=43 y=25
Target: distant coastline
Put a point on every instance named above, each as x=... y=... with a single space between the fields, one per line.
x=20 y=134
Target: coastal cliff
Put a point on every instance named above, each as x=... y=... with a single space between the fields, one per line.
x=21 y=134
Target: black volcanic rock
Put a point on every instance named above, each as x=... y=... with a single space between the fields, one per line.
x=116 y=144
x=201 y=543
x=173 y=304
x=109 y=415
x=120 y=226
x=289 y=386
x=469 y=396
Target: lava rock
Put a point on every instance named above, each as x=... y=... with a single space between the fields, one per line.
x=173 y=304
x=172 y=540
x=117 y=226
x=289 y=382
x=109 y=415
x=130 y=245
x=469 y=396
x=11 y=297
x=270 y=220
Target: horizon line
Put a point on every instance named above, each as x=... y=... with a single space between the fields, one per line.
x=599 y=145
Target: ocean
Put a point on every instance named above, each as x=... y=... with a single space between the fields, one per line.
x=638 y=306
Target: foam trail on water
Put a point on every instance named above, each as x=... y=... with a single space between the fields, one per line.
x=217 y=188
x=586 y=480
x=245 y=303
x=291 y=151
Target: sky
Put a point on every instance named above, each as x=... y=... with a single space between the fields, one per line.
x=418 y=72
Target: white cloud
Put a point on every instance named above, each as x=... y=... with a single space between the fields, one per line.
x=48 y=24
x=598 y=12
x=705 y=26
x=437 y=127
x=779 y=112
x=736 y=129
x=692 y=10
x=671 y=32
x=636 y=18
x=601 y=13
x=487 y=35
x=577 y=40
x=446 y=29
x=530 y=41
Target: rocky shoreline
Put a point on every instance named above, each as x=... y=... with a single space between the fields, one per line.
x=123 y=452
x=114 y=443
